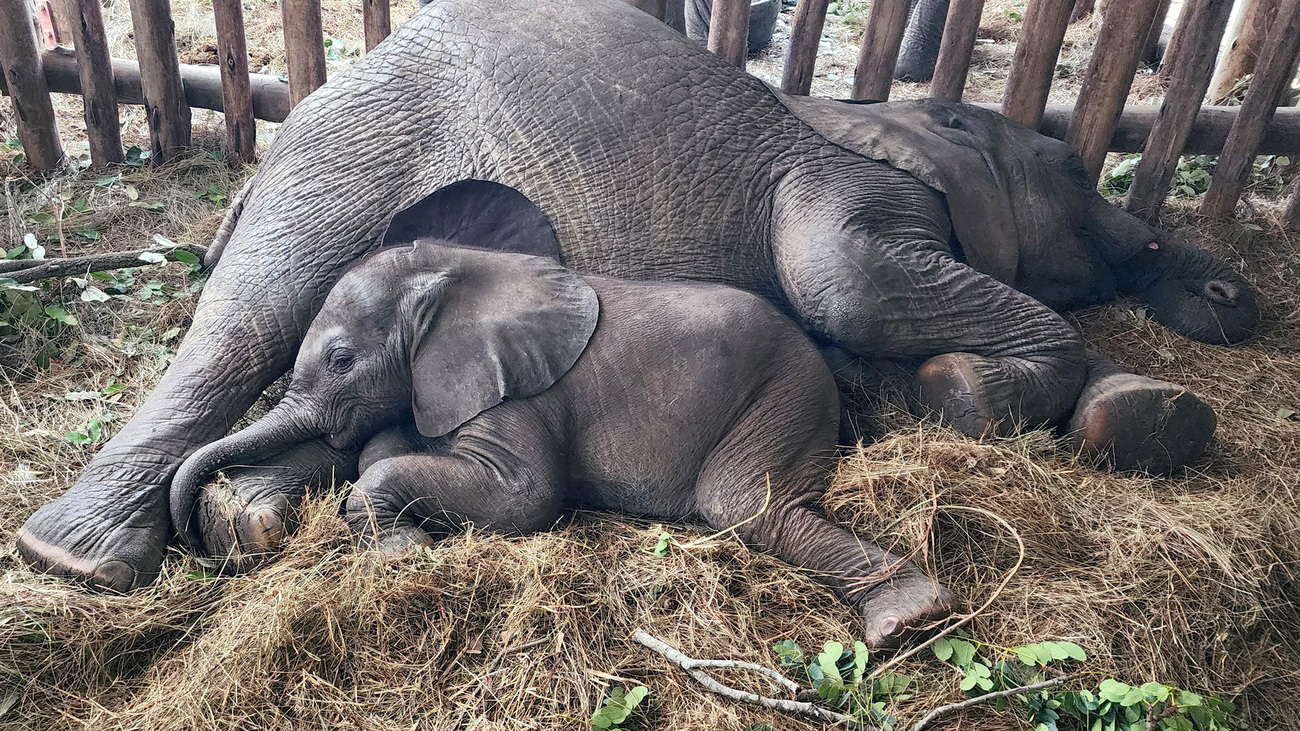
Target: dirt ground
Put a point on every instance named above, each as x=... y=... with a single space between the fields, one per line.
x=1191 y=581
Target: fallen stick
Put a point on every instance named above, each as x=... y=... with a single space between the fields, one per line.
x=692 y=667
x=23 y=271
x=951 y=708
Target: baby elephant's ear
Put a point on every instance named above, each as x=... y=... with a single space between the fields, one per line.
x=489 y=327
x=478 y=214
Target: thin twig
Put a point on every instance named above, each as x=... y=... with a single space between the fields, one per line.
x=29 y=270
x=692 y=667
x=951 y=708
x=965 y=618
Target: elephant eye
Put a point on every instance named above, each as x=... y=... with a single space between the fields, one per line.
x=341 y=361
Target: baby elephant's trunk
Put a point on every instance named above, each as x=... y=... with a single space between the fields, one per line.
x=279 y=430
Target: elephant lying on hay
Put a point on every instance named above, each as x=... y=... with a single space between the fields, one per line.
x=686 y=401
x=653 y=159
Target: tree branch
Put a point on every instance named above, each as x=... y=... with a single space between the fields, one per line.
x=693 y=667
x=30 y=270
x=951 y=708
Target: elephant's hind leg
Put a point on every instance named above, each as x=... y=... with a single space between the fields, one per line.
x=1137 y=423
x=786 y=441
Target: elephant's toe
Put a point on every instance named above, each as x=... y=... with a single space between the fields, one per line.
x=904 y=608
x=242 y=523
x=62 y=540
x=1138 y=424
x=951 y=386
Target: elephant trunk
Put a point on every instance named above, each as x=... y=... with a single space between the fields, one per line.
x=279 y=430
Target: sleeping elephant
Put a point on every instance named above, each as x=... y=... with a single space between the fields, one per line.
x=501 y=400
x=652 y=159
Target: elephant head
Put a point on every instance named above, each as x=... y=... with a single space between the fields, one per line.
x=429 y=330
x=1024 y=211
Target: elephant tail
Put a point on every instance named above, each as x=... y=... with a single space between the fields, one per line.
x=227 y=228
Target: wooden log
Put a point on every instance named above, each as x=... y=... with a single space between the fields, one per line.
x=953 y=66
x=1245 y=47
x=874 y=74
x=237 y=91
x=1205 y=20
x=20 y=63
x=1108 y=79
x=203 y=88
x=1150 y=55
x=377 y=17
x=1034 y=63
x=165 y=107
x=805 y=38
x=304 y=46
x=729 y=30
x=1277 y=61
x=1174 y=50
x=103 y=128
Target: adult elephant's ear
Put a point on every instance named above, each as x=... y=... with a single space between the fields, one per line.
x=486 y=327
x=479 y=214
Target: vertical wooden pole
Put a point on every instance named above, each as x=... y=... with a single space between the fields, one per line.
x=236 y=87
x=953 y=66
x=1206 y=21
x=1276 y=64
x=1242 y=55
x=160 y=77
x=378 y=20
x=99 y=97
x=805 y=38
x=1108 y=79
x=304 y=45
x=20 y=62
x=1291 y=215
x=1151 y=48
x=879 y=55
x=729 y=30
x=1034 y=63
x=1082 y=9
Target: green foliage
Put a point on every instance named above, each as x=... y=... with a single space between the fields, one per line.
x=336 y=49
x=617 y=707
x=1014 y=13
x=93 y=432
x=838 y=675
x=1191 y=177
x=213 y=193
x=664 y=545
x=854 y=12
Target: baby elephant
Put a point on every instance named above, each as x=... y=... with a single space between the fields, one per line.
x=501 y=388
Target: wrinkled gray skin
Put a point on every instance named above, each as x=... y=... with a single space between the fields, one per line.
x=685 y=402
x=762 y=22
x=921 y=40
x=653 y=159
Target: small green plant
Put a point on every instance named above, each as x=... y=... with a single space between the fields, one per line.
x=664 y=545
x=837 y=674
x=336 y=49
x=1191 y=177
x=93 y=432
x=617 y=707
x=1014 y=13
x=854 y=12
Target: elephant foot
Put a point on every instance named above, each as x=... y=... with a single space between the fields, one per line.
x=394 y=540
x=75 y=538
x=904 y=608
x=952 y=386
x=242 y=521
x=1139 y=424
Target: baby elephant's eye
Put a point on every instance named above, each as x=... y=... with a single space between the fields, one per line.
x=341 y=361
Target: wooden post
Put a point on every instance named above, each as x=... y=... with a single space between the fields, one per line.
x=1206 y=21
x=304 y=45
x=377 y=17
x=1151 y=48
x=1108 y=79
x=879 y=55
x=103 y=129
x=1276 y=65
x=160 y=75
x=729 y=30
x=20 y=63
x=236 y=87
x=1241 y=56
x=1291 y=215
x=805 y=38
x=1174 y=51
x=953 y=66
x=1034 y=63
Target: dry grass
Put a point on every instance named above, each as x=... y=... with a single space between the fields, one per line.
x=1191 y=581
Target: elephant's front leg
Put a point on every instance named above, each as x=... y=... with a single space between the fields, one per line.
x=1138 y=423
x=112 y=526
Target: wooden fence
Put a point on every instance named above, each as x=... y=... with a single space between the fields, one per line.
x=1267 y=46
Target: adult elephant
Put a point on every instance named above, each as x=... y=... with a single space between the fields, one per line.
x=920 y=48
x=762 y=22
x=652 y=159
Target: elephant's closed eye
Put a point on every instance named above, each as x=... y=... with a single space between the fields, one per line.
x=341 y=360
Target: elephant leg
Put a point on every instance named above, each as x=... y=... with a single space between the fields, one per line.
x=248 y=514
x=782 y=444
x=920 y=47
x=1137 y=423
x=994 y=356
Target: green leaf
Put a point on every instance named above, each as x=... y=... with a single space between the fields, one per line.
x=663 y=546
x=829 y=659
x=60 y=314
x=1113 y=690
x=89 y=233
x=202 y=575
x=789 y=654
x=962 y=653
x=1073 y=651
x=942 y=649
x=94 y=294
x=186 y=257
x=1133 y=697
x=152 y=257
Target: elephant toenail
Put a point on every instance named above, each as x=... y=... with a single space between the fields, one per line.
x=889 y=626
x=113 y=575
x=266 y=529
